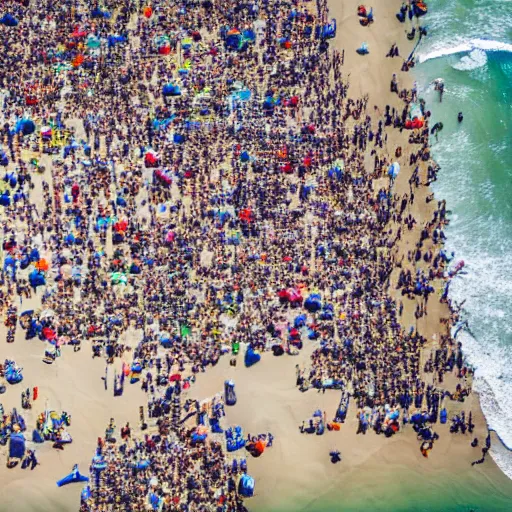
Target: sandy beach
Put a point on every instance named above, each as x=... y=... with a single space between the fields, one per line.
x=295 y=473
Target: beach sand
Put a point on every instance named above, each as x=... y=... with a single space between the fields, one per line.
x=295 y=474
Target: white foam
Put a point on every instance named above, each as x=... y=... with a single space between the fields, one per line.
x=475 y=59
x=467 y=47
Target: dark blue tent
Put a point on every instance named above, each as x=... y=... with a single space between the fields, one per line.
x=246 y=486
x=5 y=200
x=34 y=255
x=27 y=126
x=36 y=279
x=17 y=445
x=9 y=20
x=313 y=303
x=171 y=90
x=299 y=321
x=251 y=357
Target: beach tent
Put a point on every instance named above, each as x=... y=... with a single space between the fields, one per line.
x=246 y=486
x=300 y=321
x=16 y=445
x=36 y=279
x=25 y=126
x=9 y=20
x=171 y=90
x=313 y=303
x=251 y=357
x=74 y=476
x=12 y=373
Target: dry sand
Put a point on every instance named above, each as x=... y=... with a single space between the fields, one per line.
x=295 y=474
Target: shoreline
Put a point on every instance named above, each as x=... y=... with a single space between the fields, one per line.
x=422 y=57
x=295 y=472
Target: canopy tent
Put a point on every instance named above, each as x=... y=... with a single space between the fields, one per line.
x=16 y=445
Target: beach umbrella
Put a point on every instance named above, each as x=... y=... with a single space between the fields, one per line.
x=42 y=265
x=393 y=170
x=46 y=131
x=27 y=126
x=151 y=159
x=147 y=11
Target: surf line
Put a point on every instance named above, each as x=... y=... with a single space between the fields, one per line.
x=486 y=45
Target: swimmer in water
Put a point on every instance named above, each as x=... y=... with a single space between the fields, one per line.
x=460 y=117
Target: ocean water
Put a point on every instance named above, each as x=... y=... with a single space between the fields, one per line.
x=469 y=45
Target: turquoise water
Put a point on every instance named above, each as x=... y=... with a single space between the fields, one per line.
x=476 y=180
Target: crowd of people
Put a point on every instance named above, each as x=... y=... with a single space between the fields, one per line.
x=195 y=174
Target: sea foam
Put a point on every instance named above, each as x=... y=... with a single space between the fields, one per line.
x=484 y=45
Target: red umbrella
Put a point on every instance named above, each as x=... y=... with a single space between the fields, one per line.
x=175 y=377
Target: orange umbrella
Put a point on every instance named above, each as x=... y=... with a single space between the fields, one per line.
x=42 y=265
x=148 y=11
